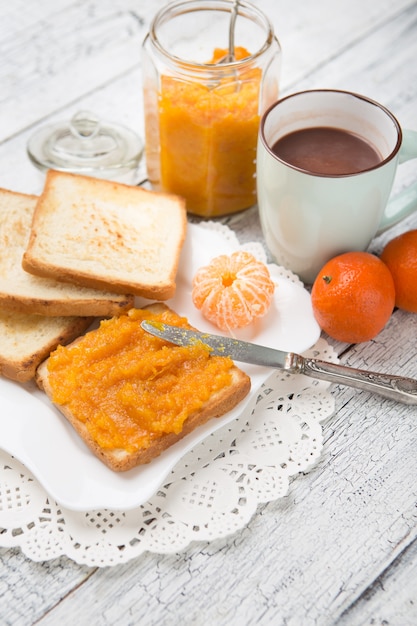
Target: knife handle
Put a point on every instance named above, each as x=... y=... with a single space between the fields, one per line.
x=396 y=388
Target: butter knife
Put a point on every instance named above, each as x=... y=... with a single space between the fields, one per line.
x=396 y=388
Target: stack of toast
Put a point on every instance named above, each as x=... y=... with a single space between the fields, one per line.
x=83 y=250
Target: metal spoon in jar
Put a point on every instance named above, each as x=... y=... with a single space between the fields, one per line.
x=230 y=57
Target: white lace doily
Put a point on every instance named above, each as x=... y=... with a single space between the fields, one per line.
x=211 y=493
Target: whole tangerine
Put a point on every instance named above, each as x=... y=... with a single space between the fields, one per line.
x=232 y=290
x=400 y=255
x=353 y=297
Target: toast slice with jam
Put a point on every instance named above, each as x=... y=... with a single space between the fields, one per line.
x=130 y=395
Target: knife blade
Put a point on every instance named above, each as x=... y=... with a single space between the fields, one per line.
x=399 y=388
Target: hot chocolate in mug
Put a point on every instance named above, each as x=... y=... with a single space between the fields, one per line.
x=326 y=163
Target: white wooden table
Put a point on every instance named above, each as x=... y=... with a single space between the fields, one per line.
x=341 y=547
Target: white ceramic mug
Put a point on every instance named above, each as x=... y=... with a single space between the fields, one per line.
x=309 y=218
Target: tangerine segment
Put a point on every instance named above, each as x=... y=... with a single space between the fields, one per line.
x=233 y=290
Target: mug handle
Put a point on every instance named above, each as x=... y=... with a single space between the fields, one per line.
x=406 y=201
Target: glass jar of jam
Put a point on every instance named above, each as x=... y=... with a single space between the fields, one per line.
x=202 y=109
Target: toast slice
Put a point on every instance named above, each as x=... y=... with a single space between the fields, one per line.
x=117 y=439
x=107 y=235
x=27 y=340
x=24 y=293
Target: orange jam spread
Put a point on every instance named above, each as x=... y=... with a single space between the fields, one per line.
x=208 y=138
x=129 y=387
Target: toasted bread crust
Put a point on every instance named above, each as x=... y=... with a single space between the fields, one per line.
x=82 y=279
x=120 y=460
x=65 y=307
x=23 y=368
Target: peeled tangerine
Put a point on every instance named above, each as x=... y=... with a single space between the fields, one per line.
x=233 y=290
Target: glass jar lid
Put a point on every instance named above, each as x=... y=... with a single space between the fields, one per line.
x=86 y=145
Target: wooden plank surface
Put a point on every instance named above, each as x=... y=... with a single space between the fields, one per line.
x=341 y=547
